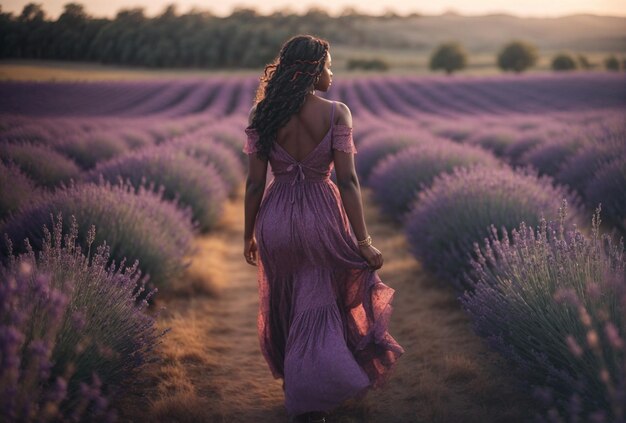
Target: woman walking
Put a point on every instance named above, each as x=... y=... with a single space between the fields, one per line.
x=323 y=310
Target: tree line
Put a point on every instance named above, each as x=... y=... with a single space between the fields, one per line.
x=194 y=39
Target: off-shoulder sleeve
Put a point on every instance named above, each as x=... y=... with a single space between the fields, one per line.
x=251 y=138
x=342 y=139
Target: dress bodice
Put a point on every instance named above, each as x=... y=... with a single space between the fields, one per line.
x=317 y=165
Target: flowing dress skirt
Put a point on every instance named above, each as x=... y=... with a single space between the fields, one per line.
x=323 y=312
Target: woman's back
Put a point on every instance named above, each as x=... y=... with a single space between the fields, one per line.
x=306 y=129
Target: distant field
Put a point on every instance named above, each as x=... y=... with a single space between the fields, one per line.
x=37 y=70
x=401 y=62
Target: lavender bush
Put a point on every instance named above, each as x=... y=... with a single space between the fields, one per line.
x=548 y=158
x=608 y=187
x=231 y=138
x=136 y=139
x=16 y=188
x=89 y=149
x=453 y=132
x=33 y=132
x=379 y=146
x=456 y=211
x=184 y=179
x=44 y=165
x=72 y=335
x=137 y=224
x=216 y=154
x=161 y=132
x=597 y=153
x=496 y=139
x=398 y=178
x=553 y=302
x=524 y=143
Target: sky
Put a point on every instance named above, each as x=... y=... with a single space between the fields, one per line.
x=534 y=8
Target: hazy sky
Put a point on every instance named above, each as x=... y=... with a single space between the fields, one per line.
x=224 y=7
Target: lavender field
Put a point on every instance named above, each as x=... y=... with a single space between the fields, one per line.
x=509 y=192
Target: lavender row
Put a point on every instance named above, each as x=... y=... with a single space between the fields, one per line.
x=398 y=97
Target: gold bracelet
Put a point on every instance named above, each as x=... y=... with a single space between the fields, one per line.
x=366 y=241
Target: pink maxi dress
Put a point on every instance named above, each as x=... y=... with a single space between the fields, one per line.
x=323 y=311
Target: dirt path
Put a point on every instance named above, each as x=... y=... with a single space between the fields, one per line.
x=214 y=370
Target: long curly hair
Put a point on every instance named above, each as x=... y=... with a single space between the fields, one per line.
x=284 y=85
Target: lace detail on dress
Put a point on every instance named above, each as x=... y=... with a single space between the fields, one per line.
x=342 y=139
x=250 y=145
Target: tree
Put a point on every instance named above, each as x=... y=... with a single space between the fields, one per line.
x=517 y=56
x=563 y=62
x=73 y=15
x=449 y=57
x=611 y=63
x=32 y=12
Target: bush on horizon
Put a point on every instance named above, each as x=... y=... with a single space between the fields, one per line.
x=450 y=57
x=517 y=56
x=563 y=62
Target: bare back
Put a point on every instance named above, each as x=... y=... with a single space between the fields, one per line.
x=306 y=129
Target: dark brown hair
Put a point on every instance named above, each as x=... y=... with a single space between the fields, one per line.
x=284 y=85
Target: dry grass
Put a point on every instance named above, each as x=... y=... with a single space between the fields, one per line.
x=213 y=370
x=52 y=70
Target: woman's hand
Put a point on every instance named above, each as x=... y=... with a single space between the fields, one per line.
x=372 y=255
x=250 y=251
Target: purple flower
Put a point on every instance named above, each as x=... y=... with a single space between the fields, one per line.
x=612 y=335
x=573 y=346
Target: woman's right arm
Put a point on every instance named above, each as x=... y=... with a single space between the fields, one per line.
x=255 y=188
x=350 y=191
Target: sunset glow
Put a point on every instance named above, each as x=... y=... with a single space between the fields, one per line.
x=535 y=8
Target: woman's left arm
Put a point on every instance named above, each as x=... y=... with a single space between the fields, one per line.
x=255 y=187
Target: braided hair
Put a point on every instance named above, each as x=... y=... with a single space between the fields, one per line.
x=284 y=86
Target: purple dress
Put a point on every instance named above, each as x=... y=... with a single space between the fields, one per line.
x=323 y=312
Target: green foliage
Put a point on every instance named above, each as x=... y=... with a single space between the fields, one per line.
x=563 y=62
x=194 y=39
x=449 y=57
x=367 y=64
x=517 y=56
x=611 y=63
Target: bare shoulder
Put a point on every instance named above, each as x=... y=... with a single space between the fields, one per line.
x=343 y=115
x=251 y=114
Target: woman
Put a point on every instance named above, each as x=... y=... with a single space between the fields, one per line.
x=323 y=311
